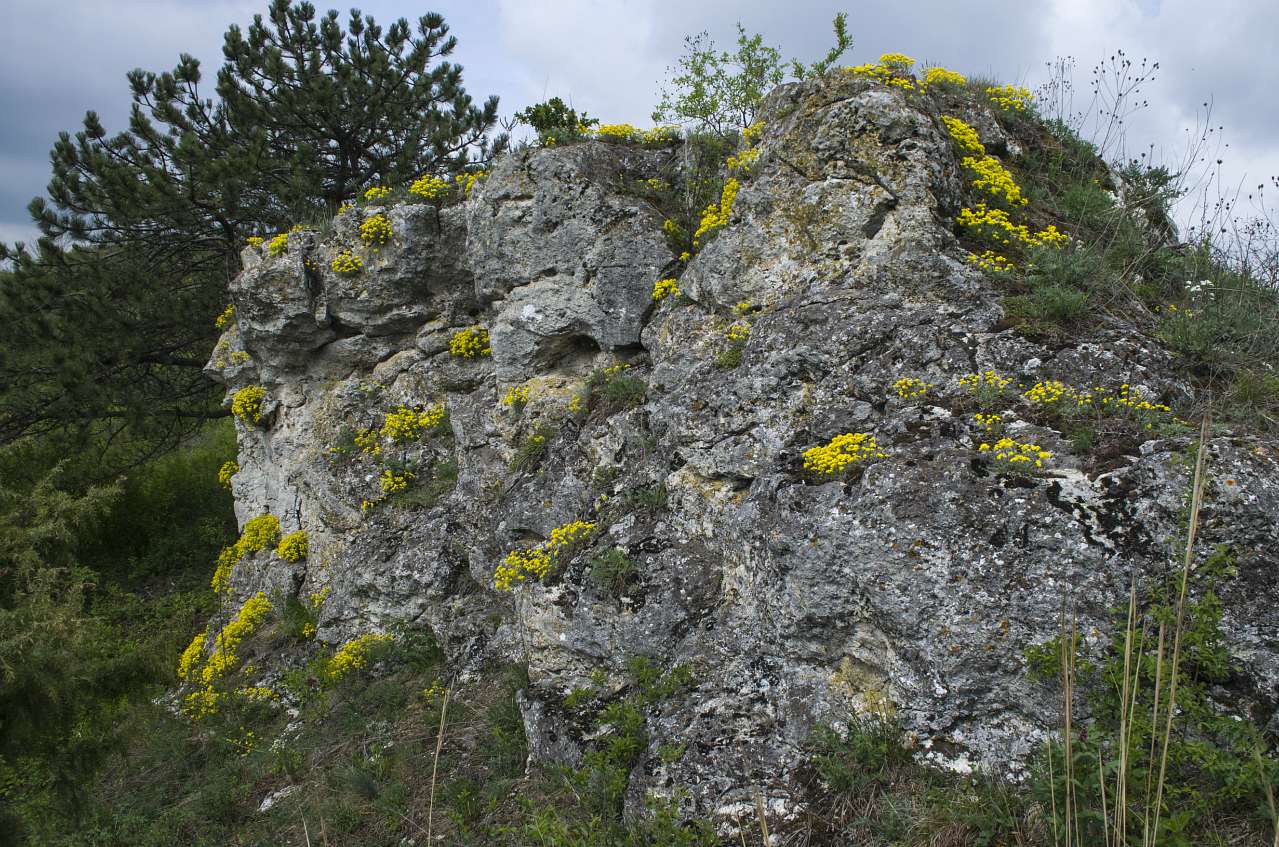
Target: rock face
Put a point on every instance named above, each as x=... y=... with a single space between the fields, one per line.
x=913 y=585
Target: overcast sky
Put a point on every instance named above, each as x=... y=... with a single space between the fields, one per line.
x=59 y=59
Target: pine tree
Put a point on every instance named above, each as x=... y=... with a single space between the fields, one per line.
x=110 y=318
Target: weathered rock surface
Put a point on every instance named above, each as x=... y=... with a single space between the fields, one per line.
x=914 y=585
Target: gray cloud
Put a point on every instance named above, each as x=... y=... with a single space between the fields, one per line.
x=609 y=57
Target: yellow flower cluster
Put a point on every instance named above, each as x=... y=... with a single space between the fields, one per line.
x=1010 y=97
x=203 y=702
x=377 y=193
x=369 y=441
x=465 y=182
x=851 y=448
x=994 y=179
x=1126 y=401
x=259 y=694
x=964 y=135
x=990 y=261
x=738 y=332
x=470 y=343
x=893 y=69
x=994 y=224
x=394 y=483
x=376 y=231
x=655 y=184
x=228 y=470
x=943 y=78
x=618 y=132
x=292 y=547
x=990 y=423
x=1048 y=392
x=1016 y=455
x=986 y=382
x=538 y=561
x=899 y=62
x=516 y=397
x=910 y=388
x=354 y=655
x=664 y=288
x=254 y=241
x=278 y=244
x=429 y=187
x=744 y=160
x=404 y=424
x=224 y=319
x=246 y=404
x=661 y=134
x=259 y=534
x=346 y=263
x=716 y=214
x=752 y=133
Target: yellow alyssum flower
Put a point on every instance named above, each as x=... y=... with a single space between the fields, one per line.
x=664 y=288
x=538 y=561
x=516 y=396
x=404 y=423
x=991 y=261
x=1016 y=455
x=254 y=241
x=224 y=319
x=228 y=470
x=259 y=534
x=293 y=547
x=752 y=133
x=354 y=655
x=470 y=343
x=466 y=182
x=716 y=214
x=346 y=263
x=744 y=160
x=246 y=404
x=994 y=178
x=377 y=193
x=964 y=135
x=843 y=451
x=1010 y=97
x=911 y=388
x=429 y=187
x=376 y=231
x=278 y=244
x=393 y=483
x=738 y=333
x=942 y=78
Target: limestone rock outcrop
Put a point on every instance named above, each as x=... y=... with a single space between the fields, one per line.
x=913 y=585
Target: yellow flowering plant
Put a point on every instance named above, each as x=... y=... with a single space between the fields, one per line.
x=346 y=263
x=376 y=231
x=224 y=320
x=354 y=655
x=395 y=482
x=537 y=562
x=278 y=245
x=516 y=398
x=404 y=424
x=429 y=188
x=1011 y=98
x=911 y=388
x=716 y=214
x=470 y=343
x=943 y=78
x=247 y=403
x=852 y=449
x=259 y=533
x=466 y=182
x=664 y=288
x=228 y=470
x=293 y=547
x=1011 y=456
x=203 y=702
x=377 y=194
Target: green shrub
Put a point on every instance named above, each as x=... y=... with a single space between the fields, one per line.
x=612 y=570
x=530 y=454
x=555 y=122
